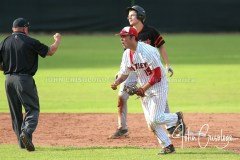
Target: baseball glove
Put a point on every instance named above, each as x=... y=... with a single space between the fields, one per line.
x=131 y=90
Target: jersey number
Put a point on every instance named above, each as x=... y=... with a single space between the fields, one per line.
x=148 y=71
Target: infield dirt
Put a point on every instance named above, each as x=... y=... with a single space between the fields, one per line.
x=92 y=130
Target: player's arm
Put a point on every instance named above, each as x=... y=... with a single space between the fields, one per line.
x=53 y=48
x=121 y=78
x=155 y=78
x=123 y=73
x=156 y=73
x=159 y=43
x=164 y=56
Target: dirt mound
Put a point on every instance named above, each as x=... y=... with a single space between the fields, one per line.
x=87 y=130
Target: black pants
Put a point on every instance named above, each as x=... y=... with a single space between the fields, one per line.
x=21 y=91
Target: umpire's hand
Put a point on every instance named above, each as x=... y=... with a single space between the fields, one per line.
x=57 y=37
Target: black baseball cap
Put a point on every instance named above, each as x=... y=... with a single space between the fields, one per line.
x=20 y=22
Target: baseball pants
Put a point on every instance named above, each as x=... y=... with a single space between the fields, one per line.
x=21 y=91
x=122 y=115
x=154 y=107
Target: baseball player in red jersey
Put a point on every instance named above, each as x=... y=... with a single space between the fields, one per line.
x=149 y=35
x=144 y=60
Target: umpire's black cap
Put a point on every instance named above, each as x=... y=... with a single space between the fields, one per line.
x=20 y=22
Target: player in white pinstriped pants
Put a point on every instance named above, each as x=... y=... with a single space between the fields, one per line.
x=136 y=17
x=145 y=60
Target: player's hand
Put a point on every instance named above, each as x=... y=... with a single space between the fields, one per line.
x=57 y=37
x=114 y=86
x=140 y=92
x=169 y=70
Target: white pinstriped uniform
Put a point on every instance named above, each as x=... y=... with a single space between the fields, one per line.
x=145 y=59
x=131 y=81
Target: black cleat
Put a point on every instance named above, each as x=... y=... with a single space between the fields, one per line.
x=27 y=142
x=119 y=134
x=181 y=126
x=21 y=145
x=167 y=150
x=171 y=130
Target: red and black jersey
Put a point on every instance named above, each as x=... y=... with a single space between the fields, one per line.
x=150 y=36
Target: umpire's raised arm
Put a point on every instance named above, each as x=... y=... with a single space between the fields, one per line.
x=53 y=48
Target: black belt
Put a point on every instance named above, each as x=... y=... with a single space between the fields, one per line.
x=19 y=74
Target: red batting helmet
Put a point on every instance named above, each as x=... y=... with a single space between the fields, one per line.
x=128 y=31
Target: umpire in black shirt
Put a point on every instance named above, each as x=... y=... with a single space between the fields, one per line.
x=19 y=62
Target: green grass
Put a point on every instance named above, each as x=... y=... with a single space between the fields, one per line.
x=99 y=153
x=78 y=77
x=87 y=90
